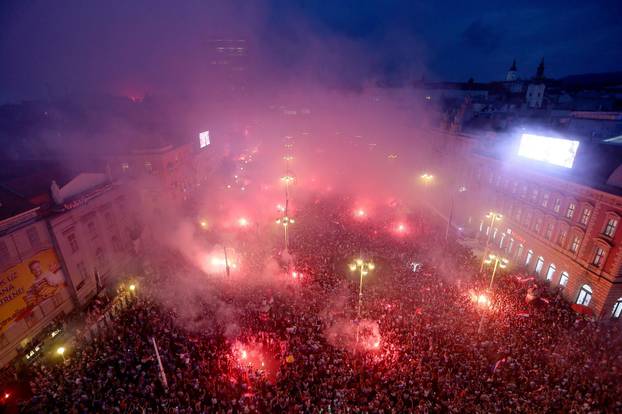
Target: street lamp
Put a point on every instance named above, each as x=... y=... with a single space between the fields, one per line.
x=493 y=216
x=500 y=262
x=61 y=351
x=287 y=179
x=285 y=221
x=426 y=178
x=364 y=268
x=460 y=189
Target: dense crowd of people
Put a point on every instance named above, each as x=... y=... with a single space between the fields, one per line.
x=424 y=342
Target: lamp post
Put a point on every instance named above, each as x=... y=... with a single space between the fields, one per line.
x=224 y=248
x=427 y=179
x=287 y=159
x=493 y=217
x=500 y=262
x=285 y=221
x=61 y=351
x=364 y=268
x=287 y=179
x=460 y=189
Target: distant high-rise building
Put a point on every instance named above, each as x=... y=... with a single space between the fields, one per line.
x=228 y=59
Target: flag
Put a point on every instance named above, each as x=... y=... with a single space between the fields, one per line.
x=498 y=363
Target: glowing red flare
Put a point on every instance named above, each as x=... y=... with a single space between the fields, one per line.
x=400 y=228
x=243 y=222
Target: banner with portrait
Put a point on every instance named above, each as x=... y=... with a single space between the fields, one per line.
x=29 y=284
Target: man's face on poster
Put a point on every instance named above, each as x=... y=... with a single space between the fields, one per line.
x=35 y=269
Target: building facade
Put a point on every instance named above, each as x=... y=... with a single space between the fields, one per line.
x=562 y=231
x=95 y=233
x=33 y=288
x=54 y=258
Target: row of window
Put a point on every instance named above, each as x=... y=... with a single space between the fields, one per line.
x=584 y=295
x=547 y=200
x=599 y=252
x=32 y=233
x=537 y=226
x=524 y=215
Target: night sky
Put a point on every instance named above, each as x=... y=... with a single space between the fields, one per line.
x=151 y=46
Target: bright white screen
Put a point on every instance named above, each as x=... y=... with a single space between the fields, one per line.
x=554 y=151
x=204 y=139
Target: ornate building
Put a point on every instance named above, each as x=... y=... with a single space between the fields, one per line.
x=561 y=225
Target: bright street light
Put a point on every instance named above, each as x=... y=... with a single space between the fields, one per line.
x=426 y=178
x=500 y=262
x=493 y=216
x=285 y=221
x=364 y=268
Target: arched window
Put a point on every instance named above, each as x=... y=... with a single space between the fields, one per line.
x=585 y=295
x=572 y=206
x=563 y=279
x=617 y=309
x=550 y=272
x=519 y=251
x=529 y=255
x=599 y=256
x=539 y=265
x=610 y=228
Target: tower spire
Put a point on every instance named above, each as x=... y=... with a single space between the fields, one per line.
x=512 y=75
x=540 y=70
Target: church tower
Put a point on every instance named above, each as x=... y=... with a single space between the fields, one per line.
x=540 y=70
x=512 y=74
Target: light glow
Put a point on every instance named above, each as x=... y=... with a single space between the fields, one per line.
x=555 y=151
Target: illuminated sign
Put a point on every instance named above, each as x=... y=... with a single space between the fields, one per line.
x=556 y=151
x=204 y=139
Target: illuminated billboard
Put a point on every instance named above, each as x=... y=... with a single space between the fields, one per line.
x=204 y=139
x=556 y=151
